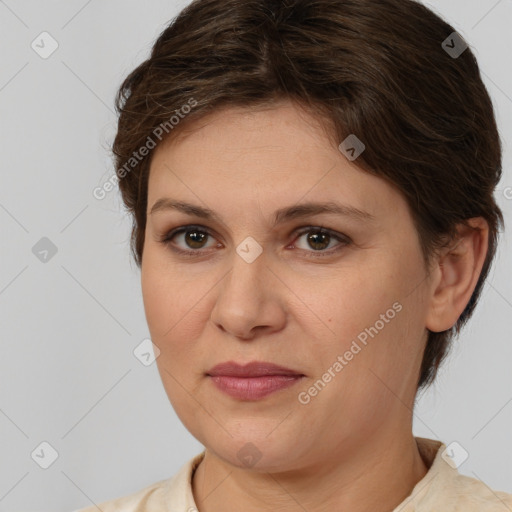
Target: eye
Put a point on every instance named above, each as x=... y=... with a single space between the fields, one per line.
x=319 y=239
x=194 y=239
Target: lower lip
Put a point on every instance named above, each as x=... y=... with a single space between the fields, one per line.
x=254 y=388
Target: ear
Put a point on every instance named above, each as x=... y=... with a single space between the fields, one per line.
x=455 y=275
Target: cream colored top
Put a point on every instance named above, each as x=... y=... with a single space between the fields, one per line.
x=442 y=489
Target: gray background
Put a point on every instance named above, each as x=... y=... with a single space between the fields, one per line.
x=69 y=325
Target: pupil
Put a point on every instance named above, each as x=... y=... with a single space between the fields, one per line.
x=192 y=237
x=314 y=240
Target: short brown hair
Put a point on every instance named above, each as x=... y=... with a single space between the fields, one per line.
x=374 y=69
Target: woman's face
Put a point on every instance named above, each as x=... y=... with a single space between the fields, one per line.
x=348 y=314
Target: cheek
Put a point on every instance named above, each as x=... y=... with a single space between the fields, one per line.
x=166 y=295
x=374 y=323
x=176 y=308
x=171 y=316
x=350 y=302
x=160 y=303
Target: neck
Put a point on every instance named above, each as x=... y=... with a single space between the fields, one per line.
x=377 y=476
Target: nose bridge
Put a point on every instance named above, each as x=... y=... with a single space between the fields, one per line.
x=248 y=266
x=244 y=295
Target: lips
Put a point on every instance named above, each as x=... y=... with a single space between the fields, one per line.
x=252 y=369
x=252 y=381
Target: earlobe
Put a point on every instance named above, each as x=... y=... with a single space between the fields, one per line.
x=458 y=270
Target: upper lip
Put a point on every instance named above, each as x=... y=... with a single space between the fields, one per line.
x=252 y=369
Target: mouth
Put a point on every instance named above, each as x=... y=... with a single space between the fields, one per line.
x=252 y=381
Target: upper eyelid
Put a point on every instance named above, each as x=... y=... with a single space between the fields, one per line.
x=299 y=231
x=302 y=228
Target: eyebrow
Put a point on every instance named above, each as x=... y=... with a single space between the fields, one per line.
x=280 y=216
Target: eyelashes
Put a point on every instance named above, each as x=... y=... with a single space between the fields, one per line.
x=322 y=232
x=167 y=240
x=201 y=233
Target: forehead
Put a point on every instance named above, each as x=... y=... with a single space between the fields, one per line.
x=265 y=159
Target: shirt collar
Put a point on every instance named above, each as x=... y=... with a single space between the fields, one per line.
x=431 y=452
x=178 y=492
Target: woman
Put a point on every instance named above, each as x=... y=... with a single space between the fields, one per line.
x=311 y=184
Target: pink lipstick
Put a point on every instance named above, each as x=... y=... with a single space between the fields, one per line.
x=252 y=381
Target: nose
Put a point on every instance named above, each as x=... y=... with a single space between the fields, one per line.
x=250 y=300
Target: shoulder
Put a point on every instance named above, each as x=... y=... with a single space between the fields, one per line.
x=150 y=498
x=470 y=493
x=445 y=488
x=175 y=492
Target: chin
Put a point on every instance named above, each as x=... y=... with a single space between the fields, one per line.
x=257 y=451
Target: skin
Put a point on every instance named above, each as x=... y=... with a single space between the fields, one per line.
x=351 y=447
